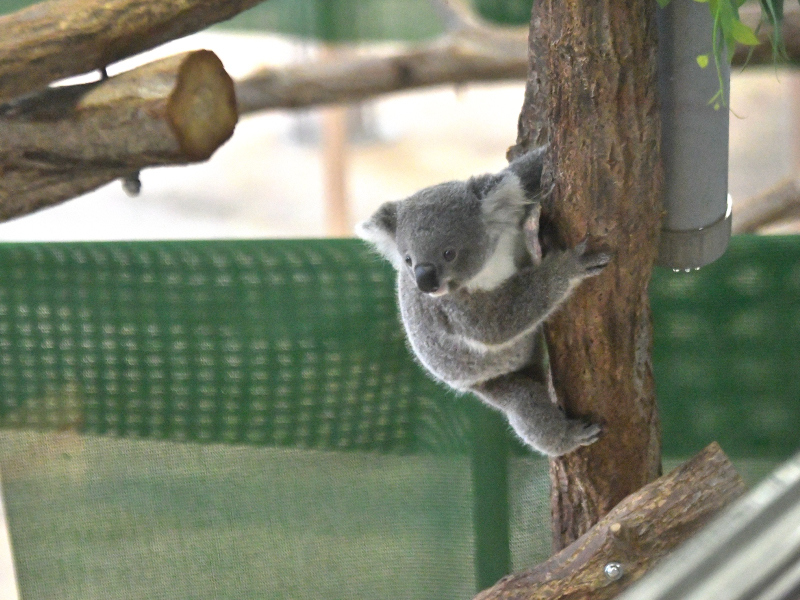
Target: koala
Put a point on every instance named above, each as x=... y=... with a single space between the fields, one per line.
x=474 y=288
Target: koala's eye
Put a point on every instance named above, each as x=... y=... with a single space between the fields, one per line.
x=408 y=260
x=449 y=255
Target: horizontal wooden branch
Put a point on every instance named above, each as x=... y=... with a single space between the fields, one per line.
x=466 y=54
x=65 y=141
x=636 y=534
x=779 y=203
x=59 y=38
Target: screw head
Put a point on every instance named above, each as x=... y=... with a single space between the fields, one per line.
x=613 y=571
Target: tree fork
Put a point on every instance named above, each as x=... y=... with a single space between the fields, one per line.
x=591 y=95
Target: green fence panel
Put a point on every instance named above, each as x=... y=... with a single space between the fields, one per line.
x=292 y=345
x=284 y=343
x=727 y=351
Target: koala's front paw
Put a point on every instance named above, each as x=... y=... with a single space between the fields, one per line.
x=588 y=264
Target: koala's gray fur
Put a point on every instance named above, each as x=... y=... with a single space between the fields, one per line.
x=473 y=290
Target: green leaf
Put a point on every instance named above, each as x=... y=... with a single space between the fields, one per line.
x=743 y=34
x=773 y=11
x=663 y=3
x=702 y=60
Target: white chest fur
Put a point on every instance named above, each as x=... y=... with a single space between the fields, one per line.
x=500 y=266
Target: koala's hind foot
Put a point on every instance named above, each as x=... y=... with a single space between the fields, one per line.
x=539 y=422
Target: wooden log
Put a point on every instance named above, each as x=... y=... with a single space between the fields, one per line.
x=479 y=53
x=58 y=38
x=591 y=95
x=637 y=534
x=65 y=141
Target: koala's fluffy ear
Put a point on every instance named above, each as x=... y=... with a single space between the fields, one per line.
x=380 y=229
x=528 y=168
x=503 y=199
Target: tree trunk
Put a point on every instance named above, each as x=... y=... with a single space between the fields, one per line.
x=53 y=40
x=591 y=94
x=66 y=141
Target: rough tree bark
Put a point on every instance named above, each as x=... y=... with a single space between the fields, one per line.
x=65 y=141
x=640 y=531
x=53 y=40
x=591 y=94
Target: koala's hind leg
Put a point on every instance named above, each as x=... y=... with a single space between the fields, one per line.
x=538 y=421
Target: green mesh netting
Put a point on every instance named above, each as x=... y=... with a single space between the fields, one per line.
x=727 y=351
x=243 y=420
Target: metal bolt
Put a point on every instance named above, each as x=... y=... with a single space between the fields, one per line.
x=613 y=571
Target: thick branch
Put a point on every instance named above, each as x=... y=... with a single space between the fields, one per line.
x=65 y=141
x=638 y=533
x=776 y=204
x=466 y=54
x=59 y=38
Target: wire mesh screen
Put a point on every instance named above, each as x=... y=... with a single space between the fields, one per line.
x=110 y=518
x=243 y=420
x=328 y=464
x=726 y=352
x=290 y=344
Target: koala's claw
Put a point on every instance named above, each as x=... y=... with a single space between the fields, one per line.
x=584 y=433
x=591 y=433
x=594 y=263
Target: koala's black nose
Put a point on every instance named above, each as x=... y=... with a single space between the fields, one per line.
x=427 y=280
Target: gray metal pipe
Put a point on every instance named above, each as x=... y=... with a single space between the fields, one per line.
x=694 y=140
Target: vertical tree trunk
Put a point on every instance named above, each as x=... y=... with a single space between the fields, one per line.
x=591 y=95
